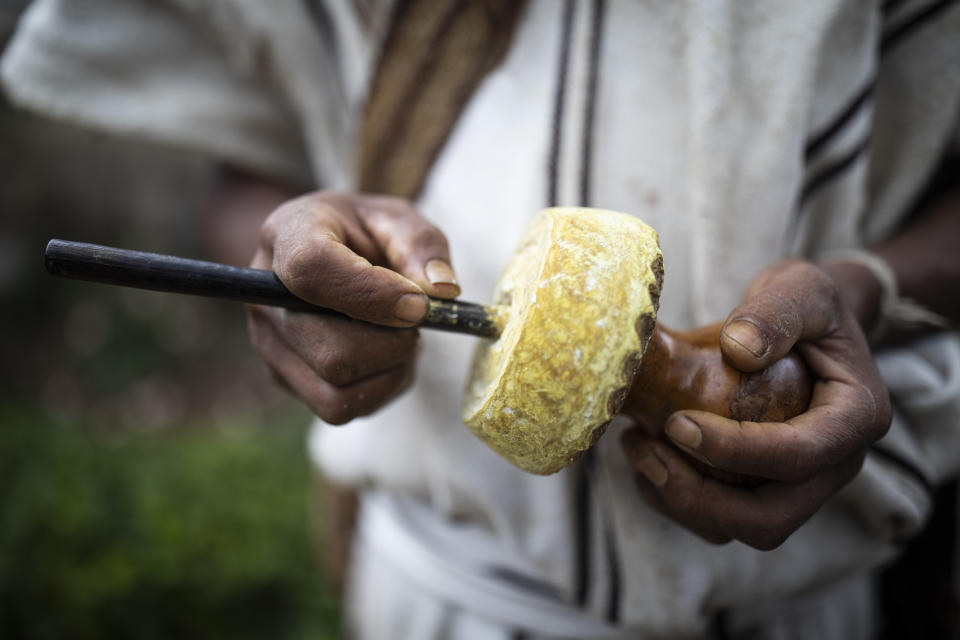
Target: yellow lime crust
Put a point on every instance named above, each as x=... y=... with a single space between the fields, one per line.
x=581 y=296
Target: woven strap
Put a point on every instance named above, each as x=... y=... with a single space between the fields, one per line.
x=434 y=57
x=896 y=312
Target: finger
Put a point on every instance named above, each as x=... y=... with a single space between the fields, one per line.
x=342 y=351
x=318 y=253
x=648 y=491
x=649 y=473
x=412 y=245
x=334 y=404
x=849 y=409
x=790 y=302
x=763 y=517
x=793 y=451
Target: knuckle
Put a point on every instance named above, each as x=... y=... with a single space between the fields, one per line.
x=429 y=238
x=275 y=223
x=335 y=409
x=811 y=275
x=776 y=528
x=869 y=415
x=337 y=416
x=337 y=367
x=865 y=417
x=796 y=293
x=327 y=346
x=775 y=525
x=328 y=403
x=810 y=272
x=767 y=539
x=297 y=267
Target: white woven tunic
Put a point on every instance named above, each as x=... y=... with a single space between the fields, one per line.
x=744 y=132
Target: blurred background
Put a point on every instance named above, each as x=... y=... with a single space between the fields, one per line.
x=153 y=483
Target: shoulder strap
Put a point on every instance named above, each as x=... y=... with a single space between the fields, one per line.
x=433 y=58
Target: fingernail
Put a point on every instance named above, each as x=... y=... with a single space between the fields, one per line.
x=411 y=307
x=651 y=467
x=440 y=274
x=748 y=336
x=684 y=431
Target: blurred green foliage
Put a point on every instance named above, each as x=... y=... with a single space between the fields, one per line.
x=192 y=533
x=153 y=482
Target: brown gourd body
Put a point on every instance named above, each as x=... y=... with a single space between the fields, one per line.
x=686 y=370
x=579 y=343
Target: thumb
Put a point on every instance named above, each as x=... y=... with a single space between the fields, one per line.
x=411 y=245
x=789 y=302
x=317 y=247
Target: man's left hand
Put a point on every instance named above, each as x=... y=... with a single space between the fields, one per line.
x=791 y=305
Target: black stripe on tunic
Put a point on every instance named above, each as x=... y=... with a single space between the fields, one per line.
x=887 y=42
x=897 y=34
x=832 y=170
x=593 y=79
x=822 y=139
x=553 y=169
x=905 y=465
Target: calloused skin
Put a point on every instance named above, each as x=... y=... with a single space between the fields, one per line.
x=374 y=258
x=807 y=459
x=822 y=313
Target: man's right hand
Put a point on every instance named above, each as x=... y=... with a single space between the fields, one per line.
x=373 y=258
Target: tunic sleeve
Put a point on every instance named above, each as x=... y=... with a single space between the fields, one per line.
x=145 y=70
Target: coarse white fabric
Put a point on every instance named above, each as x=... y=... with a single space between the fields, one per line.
x=713 y=124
